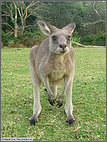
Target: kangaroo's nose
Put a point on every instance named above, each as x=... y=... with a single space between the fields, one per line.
x=62 y=46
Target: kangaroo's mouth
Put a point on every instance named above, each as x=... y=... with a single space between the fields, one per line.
x=62 y=51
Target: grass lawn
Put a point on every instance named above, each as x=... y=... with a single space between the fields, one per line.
x=89 y=99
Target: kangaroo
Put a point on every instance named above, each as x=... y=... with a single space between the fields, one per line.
x=52 y=62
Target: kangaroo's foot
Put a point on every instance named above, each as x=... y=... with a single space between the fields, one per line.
x=70 y=120
x=33 y=120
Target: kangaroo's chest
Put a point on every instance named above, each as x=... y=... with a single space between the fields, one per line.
x=58 y=71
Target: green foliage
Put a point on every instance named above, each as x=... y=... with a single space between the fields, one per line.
x=83 y=14
x=2 y=33
x=76 y=37
x=94 y=39
x=28 y=39
x=89 y=99
x=6 y=39
x=11 y=44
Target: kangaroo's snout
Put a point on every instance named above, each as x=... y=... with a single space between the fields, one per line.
x=62 y=46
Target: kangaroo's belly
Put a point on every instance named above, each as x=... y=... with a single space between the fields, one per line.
x=57 y=73
x=56 y=82
x=56 y=76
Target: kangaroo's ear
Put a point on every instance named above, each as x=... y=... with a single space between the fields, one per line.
x=70 y=27
x=45 y=27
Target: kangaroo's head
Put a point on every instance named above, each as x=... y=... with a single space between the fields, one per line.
x=59 y=39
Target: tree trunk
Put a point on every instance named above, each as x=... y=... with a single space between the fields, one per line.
x=23 y=28
x=15 y=31
x=23 y=25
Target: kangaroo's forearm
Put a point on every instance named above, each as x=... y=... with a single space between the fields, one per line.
x=66 y=82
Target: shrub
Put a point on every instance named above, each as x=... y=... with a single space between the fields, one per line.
x=19 y=45
x=11 y=44
x=94 y=39
x=2 y=45
x=76 y=37
x=28 y=39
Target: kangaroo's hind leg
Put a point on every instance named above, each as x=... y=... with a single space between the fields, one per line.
x=36 y=93
x=68 y=106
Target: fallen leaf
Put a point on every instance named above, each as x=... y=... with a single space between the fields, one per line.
x=77 y=129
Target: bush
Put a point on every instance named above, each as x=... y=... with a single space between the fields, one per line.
x=2 y=45
x=11 y=44
x=19 y=45
x=76 y=37
x=94 y=39
x=28 y=39
x=6 y=38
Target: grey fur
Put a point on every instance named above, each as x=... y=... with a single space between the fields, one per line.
x=52 y=62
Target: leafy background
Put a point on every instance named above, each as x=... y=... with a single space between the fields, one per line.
x=88 y=16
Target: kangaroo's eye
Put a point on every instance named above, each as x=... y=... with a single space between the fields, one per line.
x=68 y=37
x=54 y=38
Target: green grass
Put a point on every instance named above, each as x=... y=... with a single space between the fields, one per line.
x=89 y=99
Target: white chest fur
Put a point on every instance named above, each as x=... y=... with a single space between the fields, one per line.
x=58 y=71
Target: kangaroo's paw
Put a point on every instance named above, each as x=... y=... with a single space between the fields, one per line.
x=70 y=120
x=60 y=102
x=33 y=120
x=45 y=89
x=52 y=101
